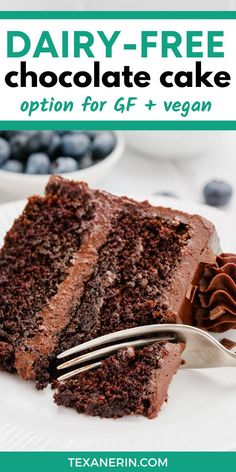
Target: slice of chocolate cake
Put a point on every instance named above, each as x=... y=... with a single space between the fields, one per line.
x=132 y=382
x=80 y=263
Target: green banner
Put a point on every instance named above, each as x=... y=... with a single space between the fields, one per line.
x=65 y=461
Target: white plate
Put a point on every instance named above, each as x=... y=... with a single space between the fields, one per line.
x=200 y=414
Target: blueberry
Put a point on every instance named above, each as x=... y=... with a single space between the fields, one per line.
x=38 y=163
x=54 y=147
x=166 y=194
x=13 y=166
x=217 y=193
x=75 y=145
x=40 y=141
x=65 y=164
x=5 y=151
x=18 y=144
x=102 y=145
x=85 y=162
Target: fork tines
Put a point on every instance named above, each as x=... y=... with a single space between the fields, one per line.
x=102 y=352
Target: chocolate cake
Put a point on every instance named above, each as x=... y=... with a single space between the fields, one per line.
x=134 y=381
x=80 y=263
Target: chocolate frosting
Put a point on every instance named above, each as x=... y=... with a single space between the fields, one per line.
x=216 y=297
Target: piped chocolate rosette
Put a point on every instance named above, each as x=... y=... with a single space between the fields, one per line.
x=216 y=295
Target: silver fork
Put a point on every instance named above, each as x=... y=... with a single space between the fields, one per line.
x=201 y=349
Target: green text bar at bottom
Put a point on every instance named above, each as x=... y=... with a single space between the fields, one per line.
x=117 y=461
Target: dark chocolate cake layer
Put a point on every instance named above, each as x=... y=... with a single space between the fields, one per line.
x=132 y=382
x=80 y=263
